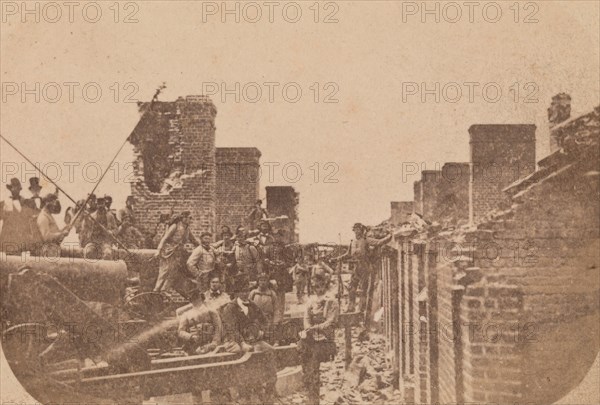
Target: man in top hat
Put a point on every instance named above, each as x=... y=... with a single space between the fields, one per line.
x=15 y=233
x=35 y=201
x=33 y=207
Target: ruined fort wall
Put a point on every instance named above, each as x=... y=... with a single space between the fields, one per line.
x=171 y=135
x=507 y=310
x=238 y=179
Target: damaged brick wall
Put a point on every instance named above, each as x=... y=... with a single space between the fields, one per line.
x=442 y=196
x=507 y=310
x=238 y=178
x=170 y=136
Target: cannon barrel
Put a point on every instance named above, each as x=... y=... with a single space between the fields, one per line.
x=101 y=280
x=140 y=261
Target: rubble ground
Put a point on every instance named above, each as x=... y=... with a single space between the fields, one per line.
x=367 y=380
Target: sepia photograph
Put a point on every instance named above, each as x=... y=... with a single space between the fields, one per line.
x=309 y=202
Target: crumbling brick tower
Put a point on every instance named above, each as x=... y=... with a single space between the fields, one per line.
x=170 y=136
x=500 y=155
x=238 y=178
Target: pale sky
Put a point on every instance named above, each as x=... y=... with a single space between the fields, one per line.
x=369 y=53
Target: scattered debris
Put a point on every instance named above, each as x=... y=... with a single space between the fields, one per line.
x=367 y=379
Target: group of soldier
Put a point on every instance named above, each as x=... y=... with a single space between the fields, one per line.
x=245 y=274
x=258 y=261
x=28 y=224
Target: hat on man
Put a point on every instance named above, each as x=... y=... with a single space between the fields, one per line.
x=14 y=183
x=48 y=198
x=34 y=183
x=358 y=225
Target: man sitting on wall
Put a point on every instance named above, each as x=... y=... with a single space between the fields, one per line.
x=127 y=231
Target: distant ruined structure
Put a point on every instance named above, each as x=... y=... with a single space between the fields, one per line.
x=498 y=300
x=178 y=168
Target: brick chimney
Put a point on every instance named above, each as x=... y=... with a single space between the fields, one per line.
x=400 y=210
x=418 y=197
x=430 y=181
x=500 y=155
x=558 y=112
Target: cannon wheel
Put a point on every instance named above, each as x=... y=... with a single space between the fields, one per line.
x=23 y=343
x=147 y=305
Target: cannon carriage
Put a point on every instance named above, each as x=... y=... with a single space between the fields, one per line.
x=94 y=329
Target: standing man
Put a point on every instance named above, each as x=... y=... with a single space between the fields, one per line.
x=98 y=244
x=171 y=254
x=111 y=216
x=247 y=259
x=300 y=274
x=257 y=214
x=277 y=259
x=15 y=233
x=127 y=230
x=51 y=235
x=359 y=252
x=202 y=261
x=35 y=201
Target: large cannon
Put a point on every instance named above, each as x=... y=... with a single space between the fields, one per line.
x=52 y=330
x=101 y=280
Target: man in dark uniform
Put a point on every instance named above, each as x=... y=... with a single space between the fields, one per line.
x=16 y=232
x=243 y=331
x=35 y=201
